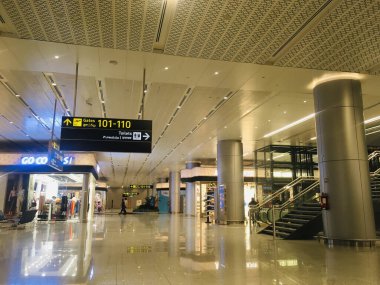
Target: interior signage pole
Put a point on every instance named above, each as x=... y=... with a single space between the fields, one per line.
x=54 y=115
x=76 y=88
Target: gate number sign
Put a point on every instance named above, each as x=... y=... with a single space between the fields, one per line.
x=106 y=134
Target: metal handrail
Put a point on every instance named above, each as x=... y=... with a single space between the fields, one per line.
x=299 y=195
x=256 y=209
x=282 y=190
x=374 y=154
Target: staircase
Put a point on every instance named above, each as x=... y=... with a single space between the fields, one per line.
x=302 y=222
x=305 y=221
x=375 y=186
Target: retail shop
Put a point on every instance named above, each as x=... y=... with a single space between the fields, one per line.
x=204 y=183
x=27 y=182
x=163 y=197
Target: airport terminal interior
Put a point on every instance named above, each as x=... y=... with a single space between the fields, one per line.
x=190 y=142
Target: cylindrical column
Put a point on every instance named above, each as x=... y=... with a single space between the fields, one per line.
x=230 y=192
x=174 y=191
x=84 y=198
x=190 y=191
x=343 y=161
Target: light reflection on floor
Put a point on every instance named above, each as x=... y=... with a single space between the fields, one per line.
x=173 y=249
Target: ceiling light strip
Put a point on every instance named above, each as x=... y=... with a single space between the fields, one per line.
x=57 y=92
x=295 y=123
x=26 y=105
x=183 y=101
x=371 y=120
x=229 y=95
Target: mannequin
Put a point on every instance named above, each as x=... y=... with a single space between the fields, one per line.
x=12 y=200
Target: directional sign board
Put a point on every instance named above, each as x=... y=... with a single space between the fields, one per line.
x=105 y=134
x=135 y=186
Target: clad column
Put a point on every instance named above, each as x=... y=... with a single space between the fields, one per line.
x=174 y=191
x=230 y=193
x=84 y=198
x=190 y=190
x=343 y=162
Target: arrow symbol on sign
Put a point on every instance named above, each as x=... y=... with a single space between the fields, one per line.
x=146 y=136
x=67 y=122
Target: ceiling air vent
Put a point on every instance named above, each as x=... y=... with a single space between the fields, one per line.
x=163 y=10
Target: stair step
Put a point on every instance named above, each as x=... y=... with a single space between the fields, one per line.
x=317 y=208
x=311 y=204
x=278 y=234
x=294 y=220
x=304 y=212
x=284 y=229
x=289 y=224
x=304 y=217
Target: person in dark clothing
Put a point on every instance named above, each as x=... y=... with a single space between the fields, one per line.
x=123 y=207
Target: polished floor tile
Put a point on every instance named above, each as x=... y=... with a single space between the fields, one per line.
x=173 y=249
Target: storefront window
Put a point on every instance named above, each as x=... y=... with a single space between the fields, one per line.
x=55 y=196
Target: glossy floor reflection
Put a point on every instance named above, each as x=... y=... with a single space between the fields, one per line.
x=164 y=249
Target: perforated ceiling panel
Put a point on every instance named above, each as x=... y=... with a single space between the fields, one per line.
x=341 y=35
x=118 y=24
x=346 y=39
x=320 y=34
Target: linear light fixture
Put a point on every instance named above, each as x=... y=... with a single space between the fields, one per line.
x=371 y=120
x=295 y=123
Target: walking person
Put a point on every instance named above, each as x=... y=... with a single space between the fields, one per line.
x=123 y=207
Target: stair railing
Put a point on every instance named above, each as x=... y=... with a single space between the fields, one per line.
x=374 y=154
x=298 y=196
x=254 y=212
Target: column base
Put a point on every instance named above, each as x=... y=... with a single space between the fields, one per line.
x=351 y=243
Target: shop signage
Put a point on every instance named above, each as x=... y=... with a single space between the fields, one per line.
x=104 y=134
x=55 y=156
x=136 y=186
x=43 y=159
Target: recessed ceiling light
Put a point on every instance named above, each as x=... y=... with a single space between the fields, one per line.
x=168 y=124
x=284 y=112
x=56 y=56
x=268 y=121
x=178 y=107
x=145 y=91
x=216 y=73
x=305 y=101
x=225 y=127
x=27 y=135
x=54 y=84
x=204 y=118
x=103 y=101
x=11 y=122
x=225 y=97
x=17 y=95
x=166 y=68
x=313 y=138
